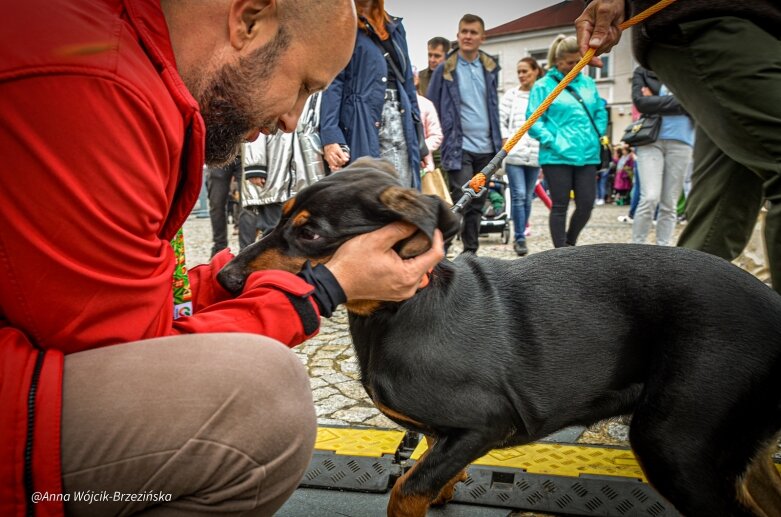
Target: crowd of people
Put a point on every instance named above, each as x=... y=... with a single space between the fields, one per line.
x=122 y=371
x=379 y=105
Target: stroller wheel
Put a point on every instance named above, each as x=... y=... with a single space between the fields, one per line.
x=506 y=234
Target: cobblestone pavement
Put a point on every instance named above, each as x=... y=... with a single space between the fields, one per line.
x=338 y=394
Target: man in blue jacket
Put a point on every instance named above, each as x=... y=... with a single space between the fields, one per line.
x=463 y=89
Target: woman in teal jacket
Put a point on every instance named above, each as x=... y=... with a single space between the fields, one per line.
x=569 y=143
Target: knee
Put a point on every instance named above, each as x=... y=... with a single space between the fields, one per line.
x=649 y=199
x=273 y=416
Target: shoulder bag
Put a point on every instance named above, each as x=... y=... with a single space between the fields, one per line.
x=605 y=152
x=643 y=131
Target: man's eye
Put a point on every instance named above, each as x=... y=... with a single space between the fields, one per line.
x=309 y=235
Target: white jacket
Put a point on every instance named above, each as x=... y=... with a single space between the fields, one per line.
x=281 y=159
x=512 y=115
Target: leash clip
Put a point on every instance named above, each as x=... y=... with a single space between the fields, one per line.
x=469 y=195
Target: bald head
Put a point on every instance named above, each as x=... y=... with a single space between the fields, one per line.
x=251 y=64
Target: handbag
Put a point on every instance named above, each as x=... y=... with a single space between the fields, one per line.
x=420 y=130
x=643 y=131
x=433 y=183
x=605 y=151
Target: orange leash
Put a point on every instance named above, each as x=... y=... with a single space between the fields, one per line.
x=475 y=186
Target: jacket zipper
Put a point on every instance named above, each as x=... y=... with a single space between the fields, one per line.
x=28 y=448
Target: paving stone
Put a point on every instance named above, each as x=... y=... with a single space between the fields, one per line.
x=355 y=415
x=324 y=392
x=352 y=389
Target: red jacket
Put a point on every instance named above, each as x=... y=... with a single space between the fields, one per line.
x=102 y=156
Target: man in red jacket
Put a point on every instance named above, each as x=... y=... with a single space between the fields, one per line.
x=109 y=404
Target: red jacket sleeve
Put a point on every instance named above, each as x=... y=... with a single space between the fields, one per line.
x=264 y=307
x=90 y=186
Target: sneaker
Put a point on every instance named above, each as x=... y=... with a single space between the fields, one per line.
x=599 y=202
x=624 y=219
x=528 y=231
x=520 y=248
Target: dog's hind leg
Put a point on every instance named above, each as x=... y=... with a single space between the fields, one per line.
x=437 y=469
x=760 y=488
x=683 y=463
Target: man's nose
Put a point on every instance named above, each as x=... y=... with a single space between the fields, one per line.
x=287 y=122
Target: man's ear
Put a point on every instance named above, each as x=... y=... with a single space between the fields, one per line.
x=252 y=21
x=426 y=212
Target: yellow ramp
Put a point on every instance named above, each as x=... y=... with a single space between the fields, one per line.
x=358 y=442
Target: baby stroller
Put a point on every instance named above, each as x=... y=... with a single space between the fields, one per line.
x=495 y=218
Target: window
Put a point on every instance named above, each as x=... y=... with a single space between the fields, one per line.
x=600 y=73
x=541 y=56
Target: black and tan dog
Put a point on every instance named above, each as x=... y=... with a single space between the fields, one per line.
x=495 y=353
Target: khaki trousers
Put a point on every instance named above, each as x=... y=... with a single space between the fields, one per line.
x=727 y=74
x=205 y=424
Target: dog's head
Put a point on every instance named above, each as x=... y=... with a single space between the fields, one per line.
x=363 y=197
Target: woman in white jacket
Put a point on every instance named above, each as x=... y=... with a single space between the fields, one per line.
x=522 y=164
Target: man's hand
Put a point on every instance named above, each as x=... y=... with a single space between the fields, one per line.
x=368 y=268
x=597 y=27
x=335 y=156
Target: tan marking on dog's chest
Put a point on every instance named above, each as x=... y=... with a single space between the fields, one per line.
x=362 y=307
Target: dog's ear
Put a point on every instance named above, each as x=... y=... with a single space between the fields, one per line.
x=426 y=212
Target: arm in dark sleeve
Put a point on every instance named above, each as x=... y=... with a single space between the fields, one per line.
x=330 y=112
x=653 y=104
x=434 y=92
x=328 y=294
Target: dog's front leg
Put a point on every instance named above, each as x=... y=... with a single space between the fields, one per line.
x=434 y=476
x=446 y=494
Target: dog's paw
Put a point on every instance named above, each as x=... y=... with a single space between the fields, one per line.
x=446 y=494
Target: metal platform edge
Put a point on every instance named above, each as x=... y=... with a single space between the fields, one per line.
x=576 y=492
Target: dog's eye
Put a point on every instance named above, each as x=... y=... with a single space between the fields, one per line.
x=308 y=234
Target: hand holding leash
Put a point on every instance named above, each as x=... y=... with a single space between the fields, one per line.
x=598 y=27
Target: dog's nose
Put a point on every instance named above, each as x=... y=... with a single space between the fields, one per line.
x=231 y=279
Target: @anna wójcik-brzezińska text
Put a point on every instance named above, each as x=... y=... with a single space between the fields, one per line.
x=103 y=496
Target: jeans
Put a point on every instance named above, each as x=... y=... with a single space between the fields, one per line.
x=635 y=194
x=522 y=179
x=562 y=179
x=602 y=183
x=664 y=165
x=393 y=143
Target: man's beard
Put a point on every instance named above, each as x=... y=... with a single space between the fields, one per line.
x=227 y=104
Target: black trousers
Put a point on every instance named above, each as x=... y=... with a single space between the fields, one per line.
x=561 y=180
x=255 y=221
x=471 y=163
x=218 y=185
